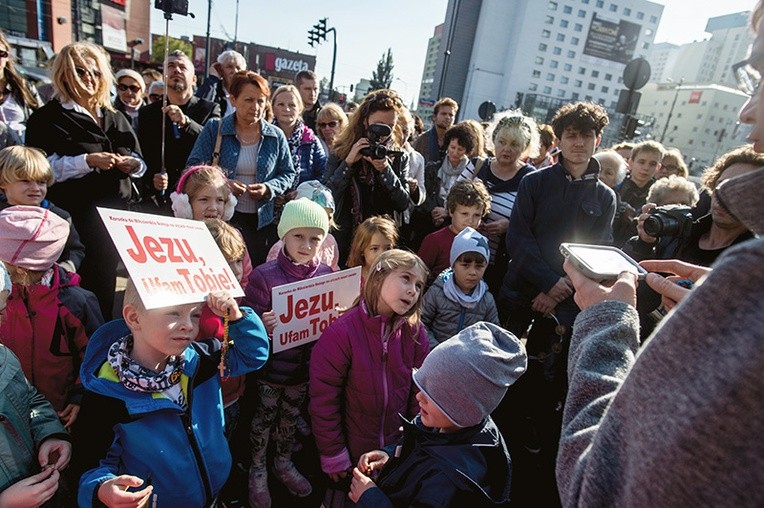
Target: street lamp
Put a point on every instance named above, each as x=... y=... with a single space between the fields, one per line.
x=132 y=44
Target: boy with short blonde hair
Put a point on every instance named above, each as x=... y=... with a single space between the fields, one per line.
x=151 y=426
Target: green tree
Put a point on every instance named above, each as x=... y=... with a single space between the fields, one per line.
x=157 y=48
x=383 y=76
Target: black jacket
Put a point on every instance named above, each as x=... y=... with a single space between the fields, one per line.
x=468 y=468
x=212 y=90
x=177 y=150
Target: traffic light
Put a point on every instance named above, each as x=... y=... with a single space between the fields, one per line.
x=317 y=33
x=630 y=127
x=313 y=37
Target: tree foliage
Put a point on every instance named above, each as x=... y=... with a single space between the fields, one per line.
x=383 y=76
x=157 y=48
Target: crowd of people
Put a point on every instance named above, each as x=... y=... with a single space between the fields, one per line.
x=477 y=365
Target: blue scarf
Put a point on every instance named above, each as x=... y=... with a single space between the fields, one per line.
x=456 y=295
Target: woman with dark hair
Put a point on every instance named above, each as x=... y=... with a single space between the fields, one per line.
x=460 y=140
x=255 y=156
x=94 y=154
x=18 y=97
x=365 y=184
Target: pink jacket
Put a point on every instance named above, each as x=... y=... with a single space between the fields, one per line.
x=359 y=384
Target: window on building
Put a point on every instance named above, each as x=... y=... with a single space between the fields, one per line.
x=546 y=34
x=640 y=15
x=574 y=41
x=539 y=60
x=577 y=83
x=571 y=54
x=574 y=96
x=600 y=4
x=695 y=129
x=645 y=45
x=563 y=23
x=582 y=70
x=595 y=74
x=567 y=67
x=605 y=89
x=608 y=77
x=679 y=115
x=581 y=14
x=549 y=20
x=554 y=64
x=536 y=73
x=588 y=98
x=550 y=76
x=613 y=8
x=560 y=37
x=542 y=47
x=653 y=19
x=560 y=92
x=564 y=80
x=567 y=9
x=626 y=11
x=533 y=87
x=557 y=50
x=547 y=90
x=590 y=86
x=578 y=27
x=552 y=6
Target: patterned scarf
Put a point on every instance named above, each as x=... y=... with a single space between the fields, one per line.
x=453 y=293
x=137 y=378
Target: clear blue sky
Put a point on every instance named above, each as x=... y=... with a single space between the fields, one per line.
x=367 y=28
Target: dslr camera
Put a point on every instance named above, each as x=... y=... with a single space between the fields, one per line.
x=669 y=220
x=377 y=150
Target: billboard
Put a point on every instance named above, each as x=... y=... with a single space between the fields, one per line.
x=612 y=40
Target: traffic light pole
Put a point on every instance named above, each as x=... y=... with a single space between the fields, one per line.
x=315 y=35
x=334 y=62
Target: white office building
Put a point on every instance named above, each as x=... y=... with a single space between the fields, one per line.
x=426 y=97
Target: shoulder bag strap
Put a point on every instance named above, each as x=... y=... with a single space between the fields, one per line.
x=216 y=153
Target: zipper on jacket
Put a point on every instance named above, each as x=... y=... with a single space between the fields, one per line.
x=385 y=338
x=186 y=420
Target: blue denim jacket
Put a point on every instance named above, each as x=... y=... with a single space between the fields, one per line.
x=274 y=162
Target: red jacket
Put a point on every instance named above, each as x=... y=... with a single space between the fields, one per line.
x=359 y=385
x=47 y=328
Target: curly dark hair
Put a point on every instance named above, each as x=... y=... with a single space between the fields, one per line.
x=743 y=155
x=581 y=116
x=469 y=193
x=463 y=134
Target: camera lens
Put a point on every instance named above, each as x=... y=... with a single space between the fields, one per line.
x=661 y=225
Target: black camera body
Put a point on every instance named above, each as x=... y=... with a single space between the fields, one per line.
x=179 y=7
x=669 y=220
x=377 y=150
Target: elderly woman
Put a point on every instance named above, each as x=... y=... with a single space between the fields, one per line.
x=255 y=156
x=18 y=97
x=364 y=185
x=308 y=156
x=613 y=167
x=217 y=86
x=94 y=154
x=331 y=120
x=130 y=95
x=515 y=138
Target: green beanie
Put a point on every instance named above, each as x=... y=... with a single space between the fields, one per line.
x=302 y=213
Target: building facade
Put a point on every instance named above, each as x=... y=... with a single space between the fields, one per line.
x=428 y=96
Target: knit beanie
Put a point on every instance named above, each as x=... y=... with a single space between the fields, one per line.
x=302 y=213
x=469 y=240
x=128 y=73
x=31 y=237
x=316 y=191
x=467 y=376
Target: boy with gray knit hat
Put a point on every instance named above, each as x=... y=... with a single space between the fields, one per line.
x=451 y=454
x=459 y=297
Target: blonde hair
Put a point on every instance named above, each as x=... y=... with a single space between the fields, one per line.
x=198 y=177
x=228 y=239
x=291 y=89
x=661 y=188
x=675 y=156
x=648 y=147
x=385 y=264
x=330 y=112
x=519 y=128
x=24 y=163
x=365 y=232
x=132 y=297
x=65 y=74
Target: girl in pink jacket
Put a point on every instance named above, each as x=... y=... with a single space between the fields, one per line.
x=360 y=368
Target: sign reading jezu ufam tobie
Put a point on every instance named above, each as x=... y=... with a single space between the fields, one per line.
x=171 y=261
x=304 y=309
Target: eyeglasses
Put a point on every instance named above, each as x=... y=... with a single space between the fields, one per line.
x=4 y=53
x=748 y=78
x=155 y=96
x=82 y=72
x=124 y=88
x=331 y=124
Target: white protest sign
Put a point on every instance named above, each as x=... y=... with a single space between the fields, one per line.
x=171 y=261
x=304 y=309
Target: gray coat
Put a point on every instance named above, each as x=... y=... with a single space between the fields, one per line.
x=440 y=316
x=678 y=422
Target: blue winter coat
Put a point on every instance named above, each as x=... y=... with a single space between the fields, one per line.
x=274 y=161
x=183 y=454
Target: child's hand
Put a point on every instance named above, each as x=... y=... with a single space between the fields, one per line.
x=114 y=493
x=69 y=415
x=31 y=492
x=269 y=320
x=221 y=302
x=360 y=484
x=372 y=461
x=54 y=453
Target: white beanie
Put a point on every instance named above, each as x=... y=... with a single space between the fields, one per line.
x=467 y=376
x=469 y=240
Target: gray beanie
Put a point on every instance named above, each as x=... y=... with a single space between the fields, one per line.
x=469 y=240
x=467 y=376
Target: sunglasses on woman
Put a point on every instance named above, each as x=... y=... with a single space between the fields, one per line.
x=331 y=124
x=124 y=88
x=82 y=72
x=4 y=53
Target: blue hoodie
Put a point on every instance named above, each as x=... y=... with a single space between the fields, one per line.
x=183 y=454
